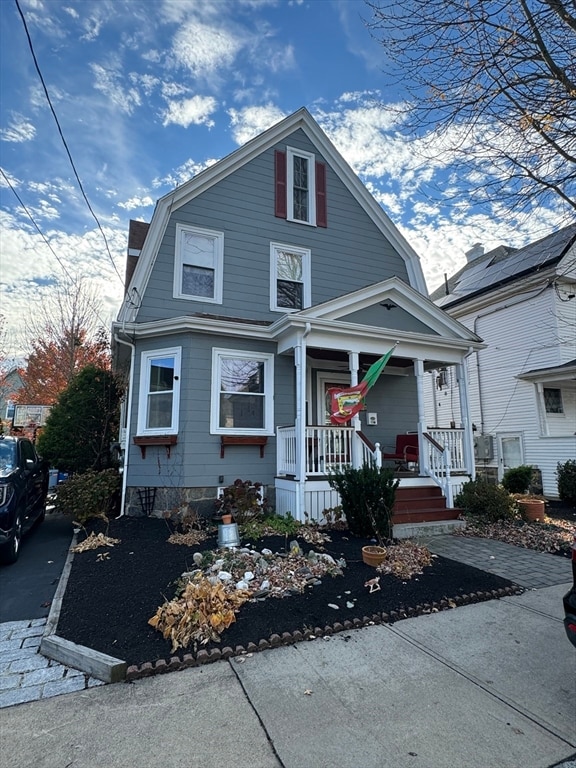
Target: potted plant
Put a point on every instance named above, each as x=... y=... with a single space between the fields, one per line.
x=517 y=482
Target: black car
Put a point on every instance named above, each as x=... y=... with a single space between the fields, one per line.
x=23 y=490
x=570 y=602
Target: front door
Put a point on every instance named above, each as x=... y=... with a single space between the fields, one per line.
x=510 y=453
x=324 y=382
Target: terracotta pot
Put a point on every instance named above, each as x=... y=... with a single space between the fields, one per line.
x=373 y=555
x=226 y=519
x=532 y=509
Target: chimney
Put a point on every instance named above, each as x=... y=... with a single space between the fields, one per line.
x=136 y=235
x=474 y=252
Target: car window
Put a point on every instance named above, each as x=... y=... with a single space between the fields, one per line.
x=27 y=450
x=7 y=458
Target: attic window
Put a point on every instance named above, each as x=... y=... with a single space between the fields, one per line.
x=300 y=187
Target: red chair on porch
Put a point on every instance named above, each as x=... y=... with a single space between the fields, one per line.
x=405 y=452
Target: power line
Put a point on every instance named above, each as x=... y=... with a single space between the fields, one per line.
x=64 y=141
x=42 y=235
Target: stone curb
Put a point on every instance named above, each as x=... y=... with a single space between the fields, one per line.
x=187 y=660
x=93 y=663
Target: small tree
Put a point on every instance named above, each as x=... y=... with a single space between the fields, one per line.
x=83 y=422
x=566 y=476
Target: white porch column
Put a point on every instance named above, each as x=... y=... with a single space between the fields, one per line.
x=353 y=363
x=423 y=456
x=462 y=380
x=300 y=424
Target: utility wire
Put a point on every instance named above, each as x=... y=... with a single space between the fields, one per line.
x=42 y=235
x=64 y=141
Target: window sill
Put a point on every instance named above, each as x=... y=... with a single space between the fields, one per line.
x=143 y=441
x=259 y=440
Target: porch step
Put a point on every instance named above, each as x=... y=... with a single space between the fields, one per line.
x=425 y=530
x=421 y=504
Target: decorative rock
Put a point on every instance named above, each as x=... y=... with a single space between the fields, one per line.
x=227 y=652
x=198 y=558
x=225 y=576
x=333 y=605
x=213 y=580
x=275 y=640
x=262 y=565
x=312 y=556
x=242 y=584
x=349 y=604
x=327 y=558
x=248 y=576
x=266 y=551
x=265 y=585
x=295 y=548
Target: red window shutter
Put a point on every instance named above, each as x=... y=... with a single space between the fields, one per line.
x=321 y=212
x=280 y=205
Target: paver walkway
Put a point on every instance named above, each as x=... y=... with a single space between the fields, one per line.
x=526 y=567
x=26 y=675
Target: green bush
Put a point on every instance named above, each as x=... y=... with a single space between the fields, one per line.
x=487 y=501
x=566 y=476
x=90 y=494
x=283 y=526
x=518 y=479
x=367 y=496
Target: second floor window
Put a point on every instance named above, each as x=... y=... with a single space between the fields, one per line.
x=553 y=400
x=198 y=264
x=290 y=277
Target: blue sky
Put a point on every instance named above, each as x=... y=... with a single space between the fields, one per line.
x=149 y=93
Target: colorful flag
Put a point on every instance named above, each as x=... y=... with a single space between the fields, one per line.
x=346 y=403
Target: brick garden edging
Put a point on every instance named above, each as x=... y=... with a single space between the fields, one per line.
x=187 y=660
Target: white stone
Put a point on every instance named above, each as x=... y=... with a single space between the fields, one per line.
x=265 y=584
x=332 y=605
x=198 y=558
x=242 y=584
x=266 y=551
x=224 y=576
x=248 y=576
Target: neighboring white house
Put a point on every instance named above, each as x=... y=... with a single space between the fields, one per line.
x=522 y=303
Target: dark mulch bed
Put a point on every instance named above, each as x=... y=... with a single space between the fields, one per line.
x=108 y=601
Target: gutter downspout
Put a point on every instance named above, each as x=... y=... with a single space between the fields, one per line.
x=128 y=419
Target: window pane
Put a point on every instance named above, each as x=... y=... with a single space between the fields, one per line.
x=553 y=400
x=159 y=411
x=242 y=411
x=289 y=265
x=289 y=295
x=198 y=281
x=300 y=190
x=161 y=374
x=241 y=375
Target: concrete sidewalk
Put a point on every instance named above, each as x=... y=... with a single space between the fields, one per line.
x=489 y=685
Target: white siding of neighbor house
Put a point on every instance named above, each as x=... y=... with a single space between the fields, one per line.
x=522 y=334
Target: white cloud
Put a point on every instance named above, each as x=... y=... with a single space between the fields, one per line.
x=204 y=49
x=196 y=110
x=137 y=202
x=19 y=129
x=109 y=82
x=250 y=121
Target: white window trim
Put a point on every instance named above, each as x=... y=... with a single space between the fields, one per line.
x=291 y=153
x=306 y=276
x=145 y=359
x=179 y=262
x=268 y=360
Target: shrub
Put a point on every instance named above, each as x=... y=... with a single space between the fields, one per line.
x=487 y=501
x=367 y=496
x=517 y=479
x=566 y=475
x=91 y=494
x=283 y=526
x=243 y=501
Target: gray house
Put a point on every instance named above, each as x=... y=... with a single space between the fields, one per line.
x=261 y=283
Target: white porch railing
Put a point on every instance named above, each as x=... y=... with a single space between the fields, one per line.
x=453 y=440
x=326 y=448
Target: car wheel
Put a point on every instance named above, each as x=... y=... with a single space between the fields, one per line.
x=9 y=552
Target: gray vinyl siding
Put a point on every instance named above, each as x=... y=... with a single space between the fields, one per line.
x=396 y=318
x=394 y=400
x=349 y=254
x=195 y=460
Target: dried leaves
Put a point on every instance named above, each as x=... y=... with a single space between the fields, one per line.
x=551 y=535
x=94 y=541
x=190 y=539
x=202 y=611
x=405 y=560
